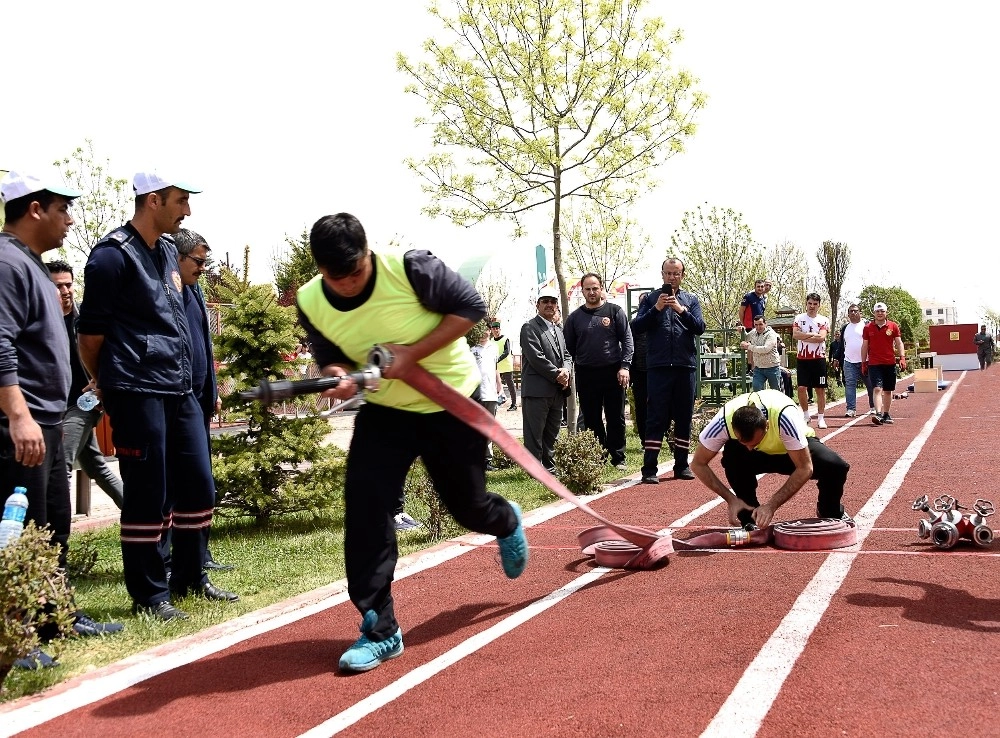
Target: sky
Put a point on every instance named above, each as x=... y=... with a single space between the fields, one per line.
x=869 y=123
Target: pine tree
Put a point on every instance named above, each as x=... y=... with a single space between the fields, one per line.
x=278 y=465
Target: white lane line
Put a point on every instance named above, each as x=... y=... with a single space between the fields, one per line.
x=750 y=701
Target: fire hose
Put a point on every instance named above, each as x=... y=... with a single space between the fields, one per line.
x=634 y=548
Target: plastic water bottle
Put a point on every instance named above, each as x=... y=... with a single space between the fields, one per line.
x=87 y=401
x=14 y=512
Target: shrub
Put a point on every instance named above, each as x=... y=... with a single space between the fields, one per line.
x=33 y=593
x=579 y=460
x=501 y=460
x=425 y=505
x=278 y=465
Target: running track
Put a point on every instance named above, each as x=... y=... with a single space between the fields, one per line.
x=890 y=638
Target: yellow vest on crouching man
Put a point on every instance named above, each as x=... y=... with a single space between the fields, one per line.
x=774 y=402
x=392 y=314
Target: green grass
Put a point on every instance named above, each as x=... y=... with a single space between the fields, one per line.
x=282 y=559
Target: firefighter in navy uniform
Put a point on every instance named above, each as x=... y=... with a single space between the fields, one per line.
x=135 y=342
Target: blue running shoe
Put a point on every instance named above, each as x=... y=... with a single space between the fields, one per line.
x=514 y=548
x=366 y=654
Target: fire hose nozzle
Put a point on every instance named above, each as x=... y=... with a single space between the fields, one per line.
x=267 y=392
x=982 y=535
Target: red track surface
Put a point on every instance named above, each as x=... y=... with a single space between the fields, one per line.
x=903 y=646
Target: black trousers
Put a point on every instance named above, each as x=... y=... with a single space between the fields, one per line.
x=508 y=379
x=47 y=484
x=829 y=470
x=671 y=399
x=599 y=391
x=385 y=444
x=167 y=475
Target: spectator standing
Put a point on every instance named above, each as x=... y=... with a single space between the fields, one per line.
x=505 y=362
x=192 y=259
x=754 y=303
x=810 y=330
x=984 y=347
x=79 y=440
x=847 y=357
x=35 y=367
x=762 y=344
x=135 y=341
x=489 y=386
x=599 y=340
x=881 y=342
x=672 y=321
x=545 y=375
x=637 y=375
x=420 y=310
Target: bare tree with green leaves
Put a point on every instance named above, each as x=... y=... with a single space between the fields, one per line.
x=721 y=262
x=834 y=263
x=603 y=243
x=534 y=103
x=105 y=204
x=786 y=265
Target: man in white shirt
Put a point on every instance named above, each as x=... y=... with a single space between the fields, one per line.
x=849 y=357
x=810 y=330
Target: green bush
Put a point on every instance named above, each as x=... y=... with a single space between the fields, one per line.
x=501 y=460
x=423 y=504
x=579 y=460
x=33 y=593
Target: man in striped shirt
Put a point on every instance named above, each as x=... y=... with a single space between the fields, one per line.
x=764 y=433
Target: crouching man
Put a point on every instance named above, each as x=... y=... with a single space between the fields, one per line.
x=764 y=432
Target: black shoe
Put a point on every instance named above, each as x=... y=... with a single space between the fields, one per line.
x=84 y=625
x=876 y=418
x=512 y=408
x=651 y=480
x=210 y=592
x=164 y=611
x=216 y=566
x=490 y=467
x=887 y=419
x=35 y=660
x=684 y=473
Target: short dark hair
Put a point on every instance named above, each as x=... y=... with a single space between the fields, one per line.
x=674 y=258
x=759 y=316
x=141 y=200
x=600 y=282
x=187 y=241
x=14 y=210
x=338 y=242
x=747 y=420
x=58 y=266
x=814 y=296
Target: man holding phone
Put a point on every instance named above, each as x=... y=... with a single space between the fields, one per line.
x=671 y=319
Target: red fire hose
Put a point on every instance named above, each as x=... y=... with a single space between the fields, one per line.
x=636 y=548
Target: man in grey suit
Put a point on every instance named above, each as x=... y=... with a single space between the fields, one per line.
x=545 y=370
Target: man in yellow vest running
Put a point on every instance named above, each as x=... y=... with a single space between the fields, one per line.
x=420 y=310
x=764 y=433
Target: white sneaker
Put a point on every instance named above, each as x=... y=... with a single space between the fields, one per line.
x=405 y=522
x=850 y=414
x=820 y=421
x=806 y=417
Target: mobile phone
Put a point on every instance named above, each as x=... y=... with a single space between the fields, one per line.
x=668 y=289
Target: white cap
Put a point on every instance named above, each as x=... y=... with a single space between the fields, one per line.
x=880 y=306
x=16 y=185
x=547 y=292
x=145 y=182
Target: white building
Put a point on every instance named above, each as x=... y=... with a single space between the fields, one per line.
x=939 y=312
